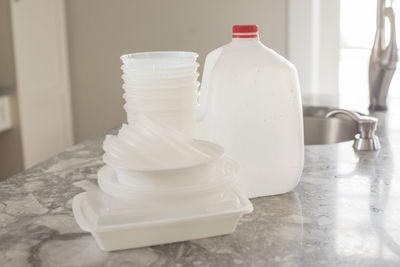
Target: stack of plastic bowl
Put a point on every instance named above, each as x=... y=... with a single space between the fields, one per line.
x=163 y=86
x=160 y=186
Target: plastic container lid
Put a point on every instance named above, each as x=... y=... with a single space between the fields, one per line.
x=117 y=224
x=101 y=211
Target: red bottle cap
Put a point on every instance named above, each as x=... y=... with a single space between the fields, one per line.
x=244 y=31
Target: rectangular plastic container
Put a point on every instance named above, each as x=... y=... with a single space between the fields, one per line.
x=125 y=231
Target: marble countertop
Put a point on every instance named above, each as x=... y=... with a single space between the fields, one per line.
x=344 y=212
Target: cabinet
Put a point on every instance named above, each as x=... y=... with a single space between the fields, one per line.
x=5 y=113
x=41 y=78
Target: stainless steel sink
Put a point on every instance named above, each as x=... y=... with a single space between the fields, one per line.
x=320 y=130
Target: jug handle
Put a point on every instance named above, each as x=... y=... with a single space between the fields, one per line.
x=205 y=88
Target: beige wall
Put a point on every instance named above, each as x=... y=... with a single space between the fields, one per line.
x=99 y=31
x=10 y=144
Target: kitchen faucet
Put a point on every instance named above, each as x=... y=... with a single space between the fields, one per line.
x=383 y=59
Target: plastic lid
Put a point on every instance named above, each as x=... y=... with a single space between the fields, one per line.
x=95 y=209
x=244 y=31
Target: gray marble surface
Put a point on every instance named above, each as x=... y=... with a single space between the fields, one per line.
x=344 y=212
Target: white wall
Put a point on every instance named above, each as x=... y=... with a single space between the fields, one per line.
x=99 y=31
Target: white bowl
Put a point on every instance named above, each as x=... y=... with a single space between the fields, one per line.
x=161 y=104
x=152 y=82
x=164 y=111
x=160 y=72
x=181 y=119
x=162 y=91
x=172 y=176
x=168 y=186
x=160 y=95
x=159 y=58
x=147 y=75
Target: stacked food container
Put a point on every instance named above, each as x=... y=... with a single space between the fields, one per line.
x=159 y=185
x=163 y=86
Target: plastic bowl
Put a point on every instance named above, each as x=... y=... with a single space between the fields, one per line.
x=172 y=81
x=161 y=107
x=171 y=178
x=161 y=90
x=161 y=103
x=182 y=119
x=161 y=95
x=130 y=76
x=159 y=78
x=208 y=188
x=174 y=71
x=161 y=110
x=159 y=58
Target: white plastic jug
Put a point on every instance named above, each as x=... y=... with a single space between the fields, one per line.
x=250 y=103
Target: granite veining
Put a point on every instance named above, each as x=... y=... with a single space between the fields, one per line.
x=344 y=212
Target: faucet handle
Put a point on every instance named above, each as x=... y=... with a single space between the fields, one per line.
x=366 y=138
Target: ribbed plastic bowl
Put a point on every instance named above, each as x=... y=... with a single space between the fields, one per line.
x=182 y=119
x=160 y=72
x=159 y=59
x=154 y=91
x=162 y=82
x=161 y=103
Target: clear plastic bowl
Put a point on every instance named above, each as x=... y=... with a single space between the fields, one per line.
x=145 y=157
x=152 y=82
x=161 y=107
x=161 y=103
x=174 y=71
x=161 y=95
x=159 y=58
x=161 y=110
x=161 y=90
x=132 y=184
x=128 y=76
x=159 y=78
x=182 y=120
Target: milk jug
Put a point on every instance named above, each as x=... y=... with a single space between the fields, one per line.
x=250 y=103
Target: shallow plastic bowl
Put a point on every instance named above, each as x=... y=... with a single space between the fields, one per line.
x=175 y=112
x=151 y=91
x=161 y=95
x=171 y=103
x=159 y=58
x=169 y=177
x=160 y=82
x=160 y=72
x=208 y=187
x=182 y=120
